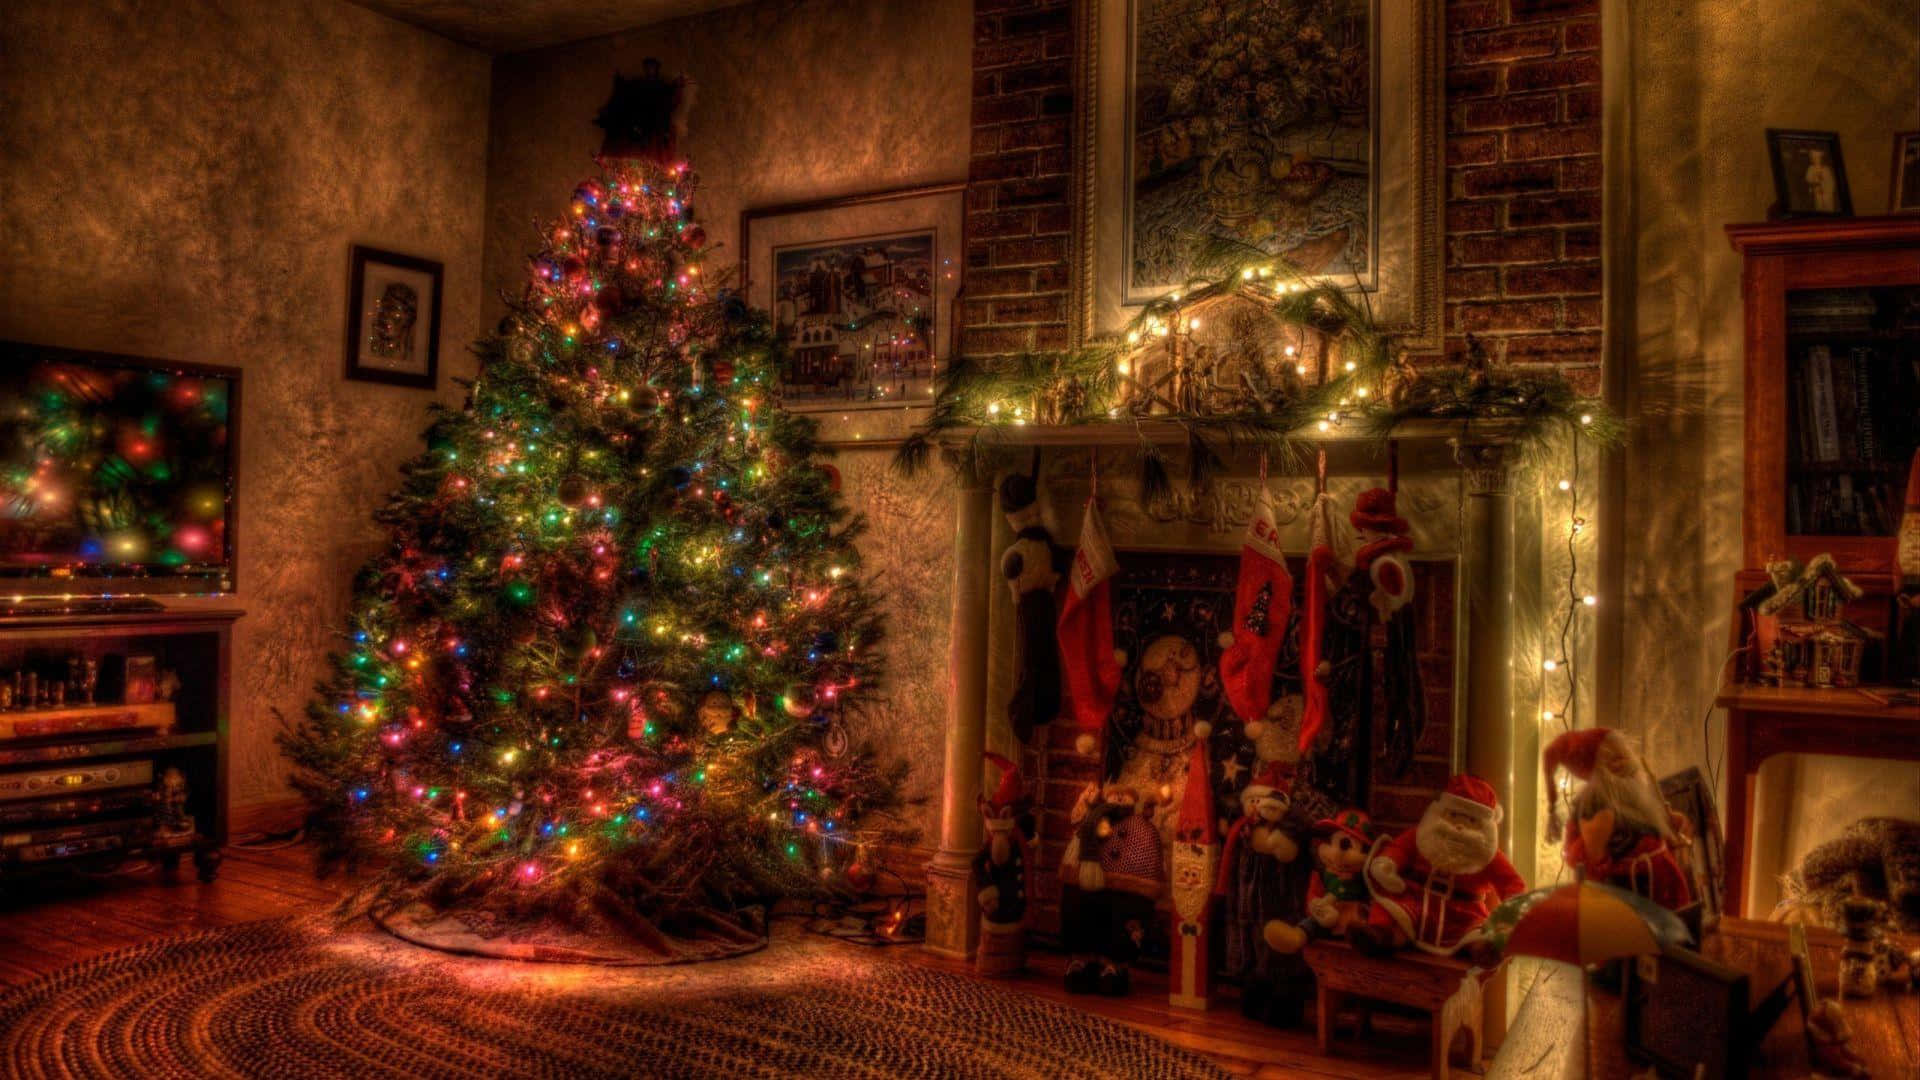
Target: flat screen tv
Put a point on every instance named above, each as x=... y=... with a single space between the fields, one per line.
x=116 y=474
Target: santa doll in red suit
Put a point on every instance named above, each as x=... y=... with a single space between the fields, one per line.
x=1434 y=884
x=1621 y=832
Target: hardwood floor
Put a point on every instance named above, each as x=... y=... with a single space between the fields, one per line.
x=61 y=923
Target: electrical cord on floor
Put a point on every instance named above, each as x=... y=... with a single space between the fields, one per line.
x=270 y=841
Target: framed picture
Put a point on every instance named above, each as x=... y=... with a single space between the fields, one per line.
x=1809 y=179
x=1332 y=162
x=1905 y=185
x=1687 y=1016
x=393 y=319
x=1688 y=794
x=862 y=290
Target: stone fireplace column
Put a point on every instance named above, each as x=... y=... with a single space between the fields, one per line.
x=1488 y=545
x=951 y=927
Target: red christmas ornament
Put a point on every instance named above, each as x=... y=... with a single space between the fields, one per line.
x=575 y=269
x=695 y=237
x=609 y=300
x=722 y=372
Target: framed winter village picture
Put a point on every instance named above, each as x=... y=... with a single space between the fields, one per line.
x=861 y=293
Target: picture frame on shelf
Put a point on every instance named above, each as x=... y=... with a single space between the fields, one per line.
x=393 y=319
x=1904 y=186
x=1809 y=174
x=862 y=292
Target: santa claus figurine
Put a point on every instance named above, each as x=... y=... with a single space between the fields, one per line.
x=1621 y=832
x=1434 y=884
x=1001 y=870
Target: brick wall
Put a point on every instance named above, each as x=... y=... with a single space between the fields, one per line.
x=1523 y=181
x=1018 y=228
x=1522 y=197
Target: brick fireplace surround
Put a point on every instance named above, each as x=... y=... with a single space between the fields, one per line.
x=1522 y=200
x=1522 y=217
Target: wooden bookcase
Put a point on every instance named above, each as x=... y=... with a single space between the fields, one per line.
x=1832 y=420
x=1832 y=386
x=109 y=745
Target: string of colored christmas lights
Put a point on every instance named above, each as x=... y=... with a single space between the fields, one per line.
x=603 y=667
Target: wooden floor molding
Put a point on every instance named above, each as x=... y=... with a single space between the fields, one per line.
x=58 y=923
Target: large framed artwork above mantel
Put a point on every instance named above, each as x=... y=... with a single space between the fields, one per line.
x=1310 y=129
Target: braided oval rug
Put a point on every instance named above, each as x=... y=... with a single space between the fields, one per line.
x=295 y=998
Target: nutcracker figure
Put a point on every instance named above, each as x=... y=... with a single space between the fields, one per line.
x=1001 y=871
x=1195 y=846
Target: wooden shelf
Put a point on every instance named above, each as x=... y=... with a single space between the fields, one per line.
x=103 y=748
x=1811 y=702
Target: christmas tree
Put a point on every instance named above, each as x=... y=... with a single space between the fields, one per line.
x=600 y=669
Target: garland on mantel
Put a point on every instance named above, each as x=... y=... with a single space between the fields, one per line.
x=1338 y=371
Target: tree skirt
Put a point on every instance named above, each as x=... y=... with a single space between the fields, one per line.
x=471 y=935
x=295 y=998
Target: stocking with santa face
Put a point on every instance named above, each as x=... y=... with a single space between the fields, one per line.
x=1262 y=602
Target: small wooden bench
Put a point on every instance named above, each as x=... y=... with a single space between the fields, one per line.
x=1437 y=984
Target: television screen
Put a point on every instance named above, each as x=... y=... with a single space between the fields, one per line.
x=116 y=474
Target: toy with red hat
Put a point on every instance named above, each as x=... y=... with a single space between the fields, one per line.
x=1000 y=867
x=1261 y=884
x=1433 y=885
x=1621 y=831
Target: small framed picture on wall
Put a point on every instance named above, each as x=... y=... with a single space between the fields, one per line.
x=861 y=290
x=1809 y=179
x=393 y=319
x=1906 y=173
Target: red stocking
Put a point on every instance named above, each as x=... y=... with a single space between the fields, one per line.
x=1261 y=603
x=1321 y=560
x=1085 y=631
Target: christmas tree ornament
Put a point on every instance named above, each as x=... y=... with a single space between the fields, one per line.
x=1434 y=884
x=1089 y=661
x=716 y=712
x=1621 y=831
x=1262 y=605
x=1032 y=565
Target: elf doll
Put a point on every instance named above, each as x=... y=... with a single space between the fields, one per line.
x=1337 y=896
x=1262 y=879
x=1621 y=831
x=1110 y=876
x=1382 y=573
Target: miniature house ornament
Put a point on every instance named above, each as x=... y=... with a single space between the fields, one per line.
x=1802 y=633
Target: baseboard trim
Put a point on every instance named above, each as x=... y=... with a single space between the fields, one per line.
x=271 y=816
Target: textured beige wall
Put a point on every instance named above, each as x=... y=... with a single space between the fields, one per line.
x=1706 y=81
x=796 y=100
x=182 y=179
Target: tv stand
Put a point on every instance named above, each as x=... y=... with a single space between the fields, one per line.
x=134 y=769
x=78 y=605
